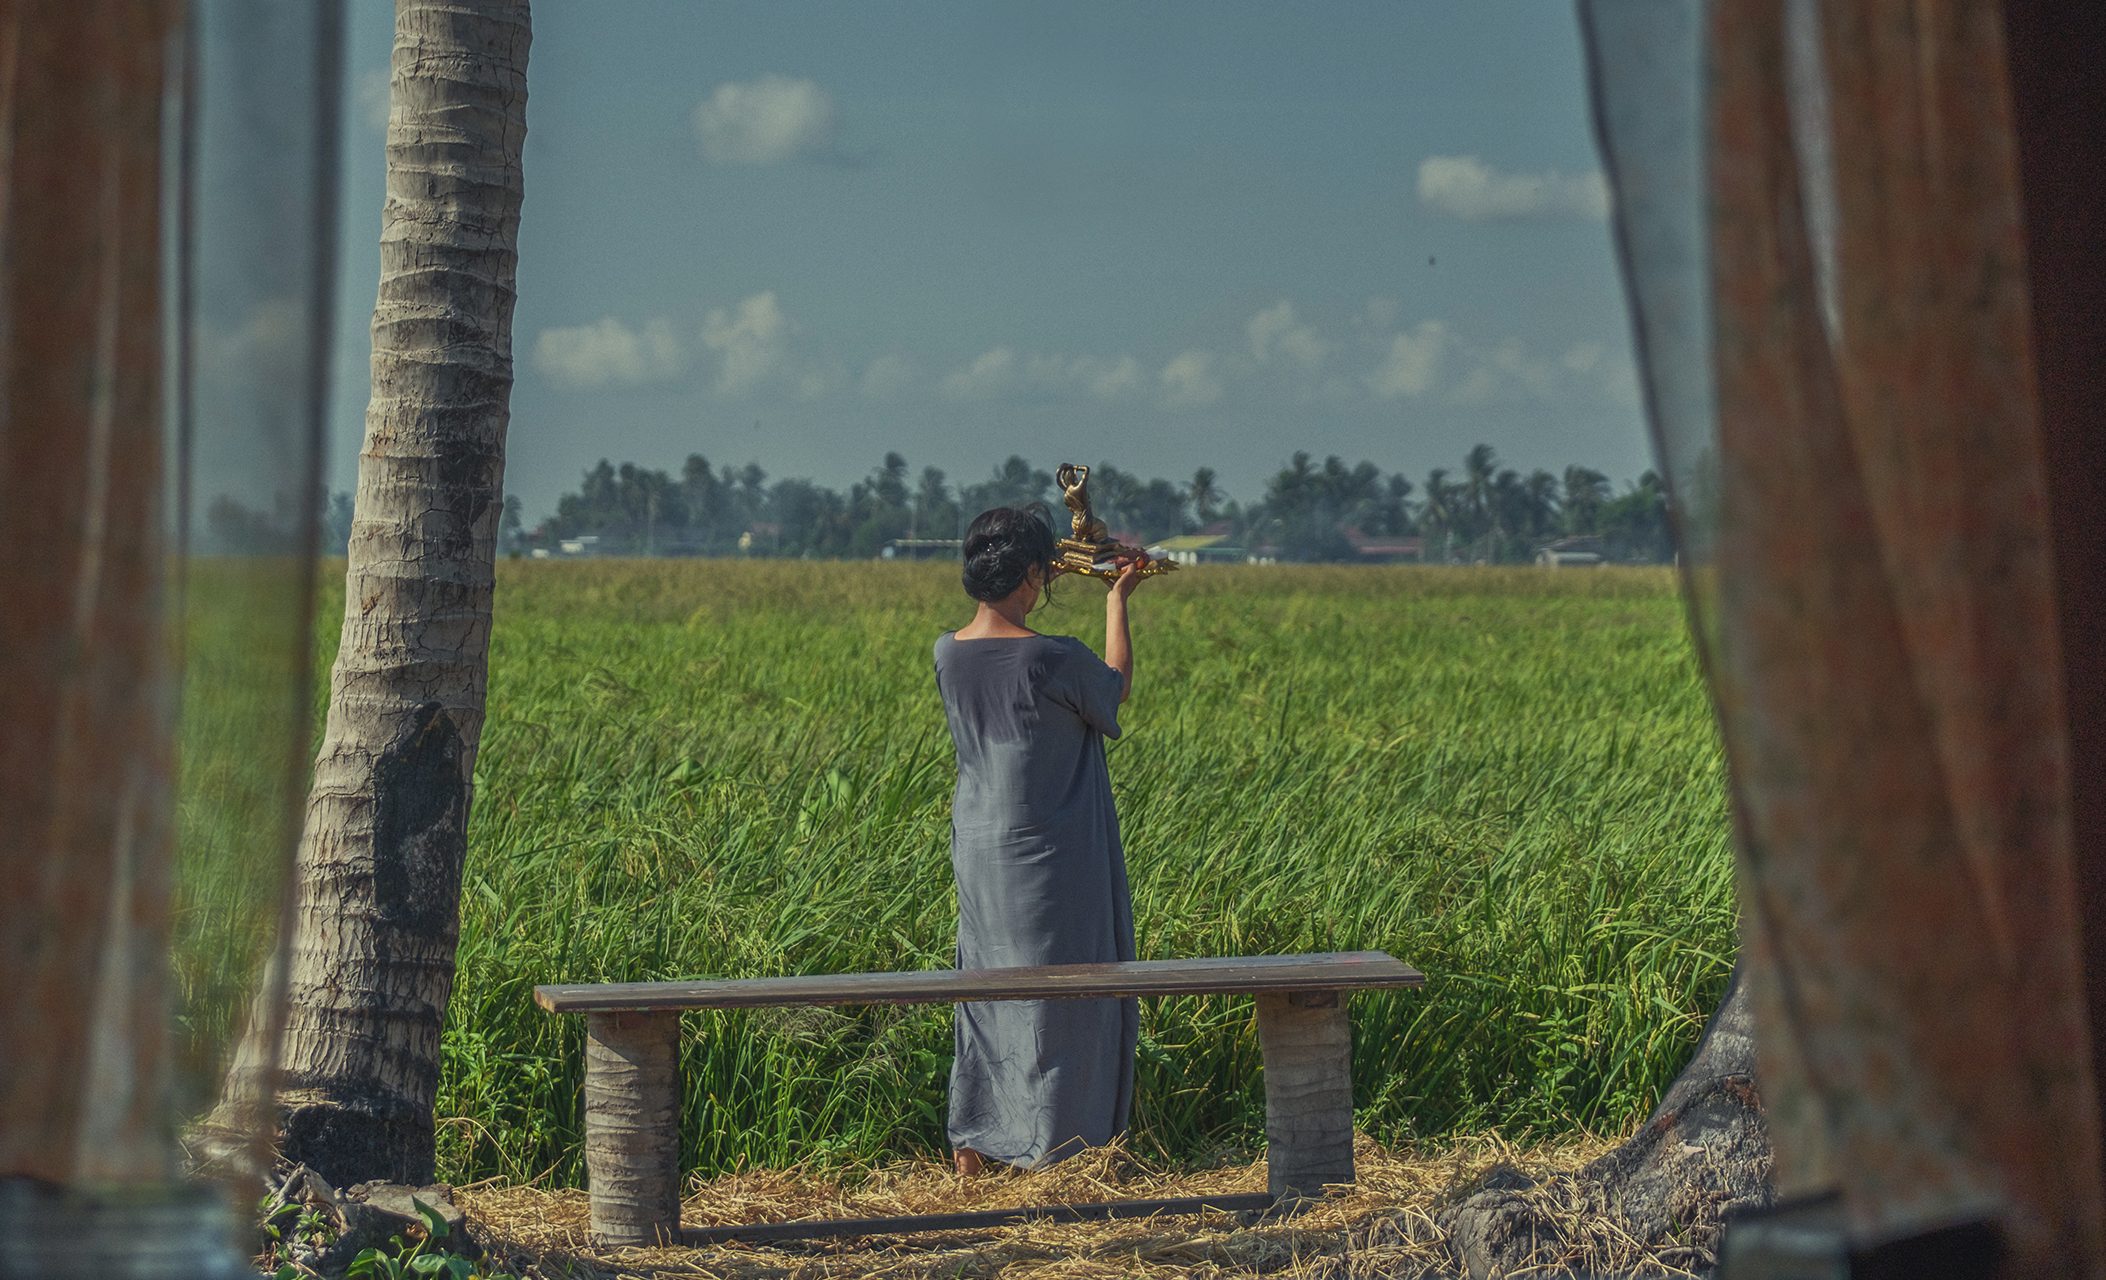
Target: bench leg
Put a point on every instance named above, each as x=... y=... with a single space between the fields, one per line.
x=1308 y=1091
x=632 y=1126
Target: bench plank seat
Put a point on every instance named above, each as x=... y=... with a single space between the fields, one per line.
x=1230 y=975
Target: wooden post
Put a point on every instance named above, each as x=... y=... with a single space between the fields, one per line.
x=632 y=1126
x=1308 y=1048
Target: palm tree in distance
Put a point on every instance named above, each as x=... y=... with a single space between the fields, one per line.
x=1509 y=514
x=1204 y=496
x=1440 y=510
x=1585 y=491
x=1480 y=472
x=1480 y=476
x=889 y=481
x=1542 y=490
x=934 y=513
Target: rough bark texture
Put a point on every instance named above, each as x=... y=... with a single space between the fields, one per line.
x=1308 y=1048
x=84 y=726
x=632 y=1126
x=387 y=821
x=1703 y=1154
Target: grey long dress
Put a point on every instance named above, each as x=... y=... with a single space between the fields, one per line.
x=1041 y=880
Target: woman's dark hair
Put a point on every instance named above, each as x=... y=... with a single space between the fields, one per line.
x=1000 y=548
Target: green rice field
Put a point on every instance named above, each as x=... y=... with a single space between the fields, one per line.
x=1507 y=777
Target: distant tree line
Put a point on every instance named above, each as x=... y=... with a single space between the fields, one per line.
x=1478 y=513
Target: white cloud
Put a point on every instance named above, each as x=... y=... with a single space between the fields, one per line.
x=1539 y=377
x=597 y=354
x=1189 y=381
x=986 y=378
x=1509 y=372
x=373 y=100
x=268 y=346
x=1411 y=363
x=1112 y=379
x=1619 y=383
x=1063 y=377
x=886 y=377
x=767 y=121
x=1002 y=374
x=753 y=341
x=1468 y=188
x=1430 y=357
x=1275 y=331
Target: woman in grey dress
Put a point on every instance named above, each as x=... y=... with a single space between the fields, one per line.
x=1035 y=847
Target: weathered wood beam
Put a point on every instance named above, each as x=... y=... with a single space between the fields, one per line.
x=1212 y=975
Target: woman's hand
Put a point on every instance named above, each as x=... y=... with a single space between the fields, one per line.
x=1129 y=576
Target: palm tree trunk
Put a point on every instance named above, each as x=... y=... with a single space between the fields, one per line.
x=387 y=821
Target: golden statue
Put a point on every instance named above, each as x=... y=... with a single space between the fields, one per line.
x=1089 y=548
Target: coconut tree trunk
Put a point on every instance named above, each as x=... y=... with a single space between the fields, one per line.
x=387 y=821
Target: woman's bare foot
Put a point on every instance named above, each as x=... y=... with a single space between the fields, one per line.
x=967 y=1161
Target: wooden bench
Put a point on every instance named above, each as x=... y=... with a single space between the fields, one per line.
x=632 y=1073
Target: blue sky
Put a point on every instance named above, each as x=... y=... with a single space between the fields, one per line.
x=1164 y=235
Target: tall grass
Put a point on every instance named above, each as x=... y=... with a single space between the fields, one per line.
x=241 y=648
x=1506 y=777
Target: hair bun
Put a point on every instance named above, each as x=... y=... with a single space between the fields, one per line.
x=1000 y=548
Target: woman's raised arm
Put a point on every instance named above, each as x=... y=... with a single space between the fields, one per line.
x=1118 y=644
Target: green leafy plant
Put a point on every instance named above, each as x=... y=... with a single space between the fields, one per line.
x=311 y=1227
x=404 y=1259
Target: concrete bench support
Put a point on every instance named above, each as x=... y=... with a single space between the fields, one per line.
x=1308 y=1091
x=632 y=1126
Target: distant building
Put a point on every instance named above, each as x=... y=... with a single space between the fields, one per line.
x=923 y=549
x=1381 y=549
x=630 y=538
x=1582 y=551
x=1200 y=548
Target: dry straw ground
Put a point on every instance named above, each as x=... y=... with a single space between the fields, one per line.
x=1383 y=1227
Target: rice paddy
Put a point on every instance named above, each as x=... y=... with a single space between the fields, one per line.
x=697 y=769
